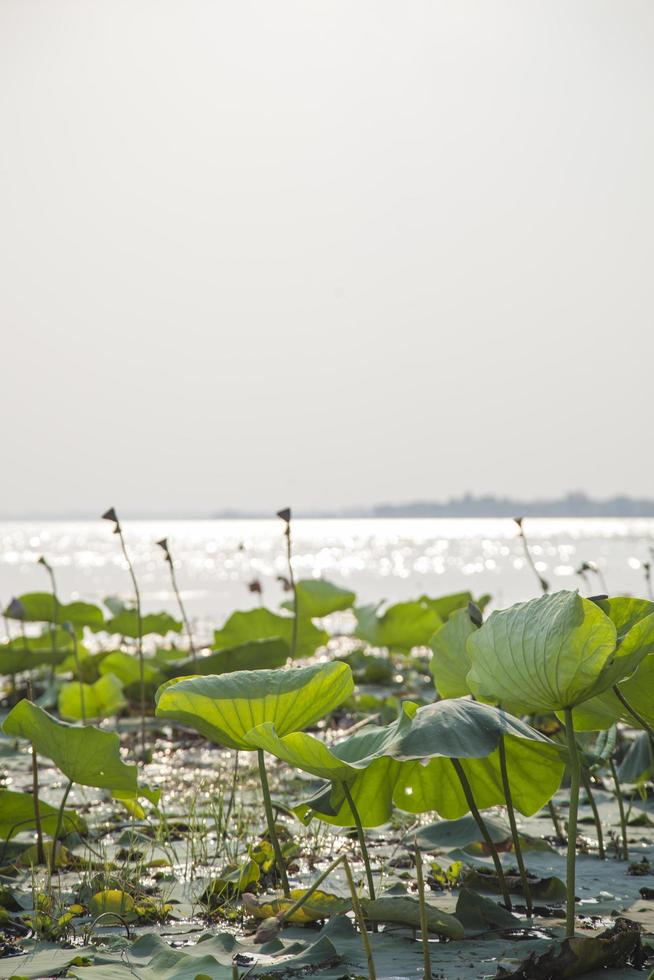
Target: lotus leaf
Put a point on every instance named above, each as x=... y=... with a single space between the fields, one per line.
x=102 y=699
x=125 y=623
x=41 y=607
x=257 y=655
x=85 y=755
x=548 y=654
x=17 y=815
x=317 y=598
x=401 y=627
x=450 y=662
x=262 y=624
x=227 y=707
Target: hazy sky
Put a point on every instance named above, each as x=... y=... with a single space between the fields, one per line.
x=324 y=252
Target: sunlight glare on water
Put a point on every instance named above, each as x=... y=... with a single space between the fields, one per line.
x=378 y=559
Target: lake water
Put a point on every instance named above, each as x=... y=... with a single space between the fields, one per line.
x=391 y=559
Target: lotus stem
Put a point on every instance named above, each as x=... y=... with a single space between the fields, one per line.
x=558 y=830
x=483 y=829
x=232 y=795
x=356 y=905
x=285 y=516
x=111 y=515
x=517 y=847
x=620 y=801
x=596 y=817
x=362 y=839
x=55 y=604
x=642 y=723
x=73 y=636
x=575 y=780
x=544 y=585
x=272 y=833
x=40 y=852
x=424 y=926
x=57 y=833
x=187 y=624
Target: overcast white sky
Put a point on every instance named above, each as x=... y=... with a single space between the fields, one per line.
x=324 y=252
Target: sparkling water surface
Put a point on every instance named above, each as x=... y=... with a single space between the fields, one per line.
x=378 y=559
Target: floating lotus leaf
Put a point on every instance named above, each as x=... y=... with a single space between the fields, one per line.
x=84 y=755
x=317 y=598
x=226 y=708
x=551 y=653
x=262 y=624
x=401 y=627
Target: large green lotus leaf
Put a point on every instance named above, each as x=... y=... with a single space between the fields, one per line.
x=102 y=699
x=543 y=655
x=17 y=815
x=421 y=777
x=450 y=662
x=227 y=707
x=401 y=627
x=340 y=762
x=84 y=755
x=317 y=598
x=257 y=655
x=606 y=709
x=31 y=652
x=125 y=623
x=39 y=607
x=262 y=624
x=125 y=666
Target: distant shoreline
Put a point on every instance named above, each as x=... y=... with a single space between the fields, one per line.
x=573 y=505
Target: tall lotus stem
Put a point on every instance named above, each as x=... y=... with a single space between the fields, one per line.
x=362 y=839
x=424 y=925
x=575 y=780
x=78 y=669
x=483 y=830
x=40 y=852
x=270 y=820
x=285 y=515
x=111 y=515
x=163 y=544
x=642 y=723
x=356 y=906
x=623 y=819
x=57 y=833
x=647 y=569
x=517 y=847
x=596 y=817
x=55 y=603
x=556 y=823
x=544 y=584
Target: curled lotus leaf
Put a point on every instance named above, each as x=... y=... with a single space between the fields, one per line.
x=547 y=654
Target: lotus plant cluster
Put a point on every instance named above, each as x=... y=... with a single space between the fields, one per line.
x=504 y=724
